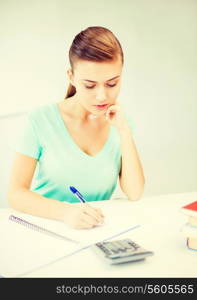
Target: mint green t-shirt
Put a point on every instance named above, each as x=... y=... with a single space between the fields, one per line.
x=61 y=162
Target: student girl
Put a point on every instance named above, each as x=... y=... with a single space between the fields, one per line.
x=84 y=140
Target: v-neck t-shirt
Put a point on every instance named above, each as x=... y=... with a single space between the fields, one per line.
x=62 y=163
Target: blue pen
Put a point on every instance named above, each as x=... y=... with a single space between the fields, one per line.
x=77 y=194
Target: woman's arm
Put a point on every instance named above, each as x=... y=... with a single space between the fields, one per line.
x=131 y=175
x=21 y=198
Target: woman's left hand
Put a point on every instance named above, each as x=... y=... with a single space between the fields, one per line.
x=116 y=117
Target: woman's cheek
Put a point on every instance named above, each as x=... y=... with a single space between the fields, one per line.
x=114 y=94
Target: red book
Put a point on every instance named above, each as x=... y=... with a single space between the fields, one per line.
x=190 y=209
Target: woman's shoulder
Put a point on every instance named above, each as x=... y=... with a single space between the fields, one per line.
x=45 y=111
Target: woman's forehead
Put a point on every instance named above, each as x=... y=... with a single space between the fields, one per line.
x=98 y=71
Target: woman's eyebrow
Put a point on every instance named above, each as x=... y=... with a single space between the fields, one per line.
x=107 y=80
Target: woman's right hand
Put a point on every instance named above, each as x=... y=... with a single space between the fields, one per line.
x=82 y=216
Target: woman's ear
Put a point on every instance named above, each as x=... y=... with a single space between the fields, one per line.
x=70 y=76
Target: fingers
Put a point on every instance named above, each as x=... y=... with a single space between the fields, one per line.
x=89 y=220
x=113 y=108
x=100 y=211
x=95 y=213
x=102 y=217
x=83 y=225
x=111 y=112
x=85 y=221
x=82 y=215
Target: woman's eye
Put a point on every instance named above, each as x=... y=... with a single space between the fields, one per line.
x=91 y=87
x=111 y=85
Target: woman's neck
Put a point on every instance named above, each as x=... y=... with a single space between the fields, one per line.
x=75 y=110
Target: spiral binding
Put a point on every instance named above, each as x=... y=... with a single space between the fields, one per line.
x=39 y=229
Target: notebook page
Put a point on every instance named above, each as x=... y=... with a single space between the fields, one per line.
x=116 y=222
x=23 y=249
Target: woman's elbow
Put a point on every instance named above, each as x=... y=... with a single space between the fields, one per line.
x=11 y=199
x=135 y=196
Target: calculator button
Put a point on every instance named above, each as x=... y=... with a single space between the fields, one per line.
x=112 y=247
x=126 y=244
x=103 y=249
x=114 y=250
x=129 y=250
x=120 y=246
x=136 y=246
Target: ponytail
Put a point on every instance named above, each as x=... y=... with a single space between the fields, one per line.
x=70 y=91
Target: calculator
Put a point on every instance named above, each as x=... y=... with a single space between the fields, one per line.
x=121 y=251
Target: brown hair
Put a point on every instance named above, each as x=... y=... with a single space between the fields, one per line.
x=95 y=43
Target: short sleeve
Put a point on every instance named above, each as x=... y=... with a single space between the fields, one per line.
x=28 y=141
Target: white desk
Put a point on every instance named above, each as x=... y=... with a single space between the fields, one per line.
x=161 y=221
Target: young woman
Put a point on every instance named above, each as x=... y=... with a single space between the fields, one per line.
x=83 y=141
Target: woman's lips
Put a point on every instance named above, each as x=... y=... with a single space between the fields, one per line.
x=103 y=106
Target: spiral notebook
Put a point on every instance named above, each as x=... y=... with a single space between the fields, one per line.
x=40 y=229
x=28 y=242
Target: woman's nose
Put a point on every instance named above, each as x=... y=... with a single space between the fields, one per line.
x=101 y=95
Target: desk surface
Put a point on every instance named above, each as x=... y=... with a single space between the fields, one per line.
x=161 y=221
